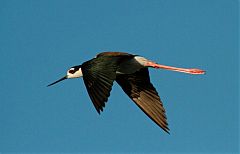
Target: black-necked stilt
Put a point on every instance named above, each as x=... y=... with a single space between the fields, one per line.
x=131 y=73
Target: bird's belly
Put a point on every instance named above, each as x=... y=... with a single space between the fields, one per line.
x=132 y=65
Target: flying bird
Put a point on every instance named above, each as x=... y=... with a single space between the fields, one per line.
x=131 y=73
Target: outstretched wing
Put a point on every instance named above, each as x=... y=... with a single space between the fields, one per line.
x=99 y=75
x=139 y=88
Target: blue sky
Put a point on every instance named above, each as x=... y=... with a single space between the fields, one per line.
x=40 y=40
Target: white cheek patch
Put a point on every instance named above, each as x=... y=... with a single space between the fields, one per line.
x=76 y=74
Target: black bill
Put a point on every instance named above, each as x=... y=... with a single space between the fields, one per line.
x=65 y=77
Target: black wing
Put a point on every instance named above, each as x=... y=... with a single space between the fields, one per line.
x=139 y=88
x=99 y=75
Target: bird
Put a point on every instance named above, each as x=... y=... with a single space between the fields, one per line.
x=131 y=72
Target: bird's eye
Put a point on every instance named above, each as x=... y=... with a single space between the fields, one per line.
x=71 y=71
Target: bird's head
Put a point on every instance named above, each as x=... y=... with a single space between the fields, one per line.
x=73 y=72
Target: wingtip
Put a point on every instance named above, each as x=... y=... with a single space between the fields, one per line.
x=99 y=113
x=167 y=130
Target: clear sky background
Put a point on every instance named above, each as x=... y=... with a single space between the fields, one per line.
x=40 y=40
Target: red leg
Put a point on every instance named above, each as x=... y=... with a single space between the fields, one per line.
x=183 y=70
